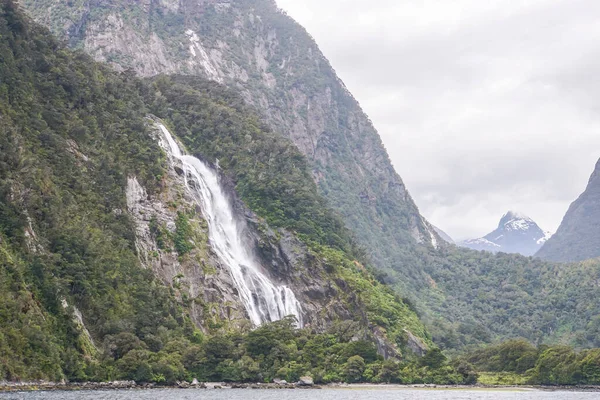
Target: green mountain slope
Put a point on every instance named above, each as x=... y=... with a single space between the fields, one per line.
x=62 y=244
x=466 y=297
x=80 y=297
x=479 y=297
x=277 y=67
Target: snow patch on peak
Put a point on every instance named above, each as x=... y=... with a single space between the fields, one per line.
x=544 y=239
x=481 y=241
x=516 y=233
x=516 y=221
x=517 y=225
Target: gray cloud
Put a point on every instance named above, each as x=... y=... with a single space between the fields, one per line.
x=482 y=106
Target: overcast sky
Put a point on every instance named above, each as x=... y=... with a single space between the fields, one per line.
x=483 y=106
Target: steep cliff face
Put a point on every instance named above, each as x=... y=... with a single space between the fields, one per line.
x=198 y=276
x=578 y=236
x=276 y=65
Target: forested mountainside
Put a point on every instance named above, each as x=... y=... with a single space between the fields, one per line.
x=466 y=297
x=517 y=362
x=278 y=68
x=107 y=270
x=480 y=297
x=578 y=236
x=516 y=233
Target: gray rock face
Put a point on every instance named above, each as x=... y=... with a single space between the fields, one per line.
x=578 y=236
x=259 y=51
x=113 y=35
x=416 y=344
x=199 y=275
x=516 y=233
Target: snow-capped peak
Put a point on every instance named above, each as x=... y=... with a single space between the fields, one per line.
x=516 y=233
x=515 y=221
x=516 y=215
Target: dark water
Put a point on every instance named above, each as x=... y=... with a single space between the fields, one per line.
x=324 y=394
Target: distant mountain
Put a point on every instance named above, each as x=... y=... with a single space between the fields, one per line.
x=516 y=233
x=578 y=236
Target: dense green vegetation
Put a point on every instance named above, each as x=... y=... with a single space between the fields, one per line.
x=71 y=133
x=478 y=297
x=519 y=362
x=279 y=350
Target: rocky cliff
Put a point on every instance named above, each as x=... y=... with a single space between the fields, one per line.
x=299 y=241
x=262 y=53
x=578 y=236
x=202 y=279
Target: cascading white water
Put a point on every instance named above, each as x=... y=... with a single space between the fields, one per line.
x=264 y=301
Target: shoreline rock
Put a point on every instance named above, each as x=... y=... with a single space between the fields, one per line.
x=305 y=381
x=302 y=384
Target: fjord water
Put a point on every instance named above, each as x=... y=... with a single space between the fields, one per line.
x=264 y=301
x=325 y=394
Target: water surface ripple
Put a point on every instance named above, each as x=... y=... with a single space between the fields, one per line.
x=324 y=394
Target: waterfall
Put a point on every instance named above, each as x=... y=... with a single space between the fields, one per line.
x=264 y=301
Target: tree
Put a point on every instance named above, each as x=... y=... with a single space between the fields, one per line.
x=135 y=365
x=389 y=372
x=590 y=367
x=434 y=358
x=354 y=368
x=557 y=365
